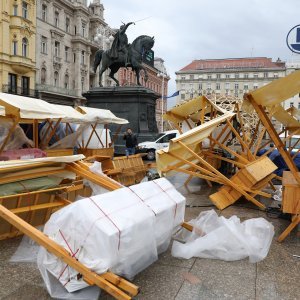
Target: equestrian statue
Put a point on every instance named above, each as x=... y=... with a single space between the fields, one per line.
x=121 y=54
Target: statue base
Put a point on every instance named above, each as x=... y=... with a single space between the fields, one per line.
x=134 y=103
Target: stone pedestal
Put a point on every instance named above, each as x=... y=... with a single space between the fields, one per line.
x=134 y=103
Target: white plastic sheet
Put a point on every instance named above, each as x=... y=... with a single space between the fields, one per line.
x=226 y=239
x=122 y=231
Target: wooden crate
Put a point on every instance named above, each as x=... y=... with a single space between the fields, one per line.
x=128 y=169
x=291 y=193
x=254 y=175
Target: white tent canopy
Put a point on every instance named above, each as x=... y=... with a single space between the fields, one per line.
x=28 y=108
x=101 y=116
x=31 y=108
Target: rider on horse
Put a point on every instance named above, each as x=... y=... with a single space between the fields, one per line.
x=120 y=44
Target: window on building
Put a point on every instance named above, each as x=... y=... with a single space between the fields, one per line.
x=255 y=86
x=82 y=83
x=236 y=75
x=227 y=85
x=56 y=77
x=67 y=24
x=246 y=87
x=74 y=57
x=182 y=96
x=83 y=29
x=75 y=30
x=43 y=76
x=44 y=45
x=82 y=57
x=246 y=75
x=56 y=19
x=24 y=47
x=15 y=10
x=275 y=75
x=15 y=48
x=227 y=76
x=44 y=12
x=236 y=86
x=25 y=85
x=291 y=104
x=218 y=86
x=66 y=81
x=24 y=10
x=266 y=75
x=209 y=86
x=218 y=76
x=182 y=77
x=208 y=77
x=12 y=83
x=56 y=49
x=255 y=76
x=236 y=94
x=67 y=50
x=200 y=85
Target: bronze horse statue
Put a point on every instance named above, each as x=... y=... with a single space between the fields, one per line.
x=140 y=46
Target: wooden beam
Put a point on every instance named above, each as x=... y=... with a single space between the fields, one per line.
x=89 y=276
x=224 y=178
x=274 y=136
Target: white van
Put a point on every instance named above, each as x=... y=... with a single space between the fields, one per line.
x=160 y=141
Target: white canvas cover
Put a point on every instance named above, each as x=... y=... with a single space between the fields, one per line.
x=101 y=116
x=122 y=231
x=29 y=108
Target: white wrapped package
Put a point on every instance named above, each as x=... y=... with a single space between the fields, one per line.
x=168 y=206
x=121 y=231
x=226 y=239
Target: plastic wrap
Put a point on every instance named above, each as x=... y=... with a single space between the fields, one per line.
x=226 y=239
x=16 y=140
x=122 y=231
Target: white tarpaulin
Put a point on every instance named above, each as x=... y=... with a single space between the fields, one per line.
x=122 y=231
x=226 y=239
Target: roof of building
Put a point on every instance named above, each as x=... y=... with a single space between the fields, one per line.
x=234 y=63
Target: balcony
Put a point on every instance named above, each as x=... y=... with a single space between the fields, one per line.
x=55 y=90
x=19 y=91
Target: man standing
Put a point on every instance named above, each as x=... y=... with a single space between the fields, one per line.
x=120 y=44
x=131 y=142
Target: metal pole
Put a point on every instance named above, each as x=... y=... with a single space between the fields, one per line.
x=162 y=103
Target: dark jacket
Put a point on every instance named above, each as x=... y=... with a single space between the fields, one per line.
x=131 y=140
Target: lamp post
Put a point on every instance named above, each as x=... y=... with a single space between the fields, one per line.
x=163 y=75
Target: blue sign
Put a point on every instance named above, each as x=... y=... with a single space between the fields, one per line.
x=293 y=39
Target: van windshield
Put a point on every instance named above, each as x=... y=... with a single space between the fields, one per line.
x=155 y=138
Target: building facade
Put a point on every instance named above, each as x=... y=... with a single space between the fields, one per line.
x=231 y=76
x=291 y=67
x=17 y=47
x=67 y=40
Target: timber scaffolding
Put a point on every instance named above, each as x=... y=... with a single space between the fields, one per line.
x=214 y=135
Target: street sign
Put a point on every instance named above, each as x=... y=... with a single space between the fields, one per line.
x=293 y=39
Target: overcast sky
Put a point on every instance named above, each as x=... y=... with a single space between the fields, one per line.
x=200 y=29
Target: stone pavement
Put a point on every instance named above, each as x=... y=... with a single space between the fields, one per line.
x=276 y=277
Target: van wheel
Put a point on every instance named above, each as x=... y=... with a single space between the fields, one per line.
x=151 y=154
